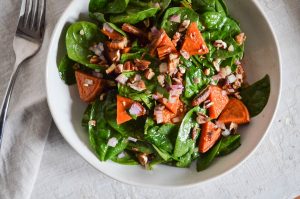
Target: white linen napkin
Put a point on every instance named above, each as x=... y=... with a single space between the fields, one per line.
x=29 y=118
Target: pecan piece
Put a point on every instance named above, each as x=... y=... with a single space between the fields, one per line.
x=201 y=97
x=134 y=30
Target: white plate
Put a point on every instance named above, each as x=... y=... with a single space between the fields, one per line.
x=261 y=57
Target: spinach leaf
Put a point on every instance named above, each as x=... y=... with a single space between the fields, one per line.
x=128 y=159
x=163 y=154
x=186 y=159
x=128 y=92
x=218 y=26
x=202 y=6
x=238 y=51
x=229 y=144
x=98 y=16
x=195 y=80
x=185 y=13
x=205 y=160
x=160 y=136
x=182 y=145
x=66 y=70
x=131 y=56
x=256 y=96
x=134 y=15
x=99 y=132
x=140 y=146
x=80 y=37
x=121 y=145
x=104 y=6
x=86 y=116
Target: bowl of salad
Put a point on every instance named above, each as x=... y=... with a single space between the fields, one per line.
x=163 y=93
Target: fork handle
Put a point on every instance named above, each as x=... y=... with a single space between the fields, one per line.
x=6 y=100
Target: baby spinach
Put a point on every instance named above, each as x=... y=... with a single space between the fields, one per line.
x=134 y=15
x=238 y=51
x=128 y=159
x=105 y=6
x=195 y=80
x=163 y=154
x=99 y=132
x=182 y=144
x=140 y=146
x=120 y=146
x=80 y=37
x=202 y=6
x=86 y=116
x=229 y=144
x=184 y=13
x=219 y=26
x=66 y=70
x=206 y=159
x=256 y=96
x=160 y=135
x=128 y=92
x=186 y=159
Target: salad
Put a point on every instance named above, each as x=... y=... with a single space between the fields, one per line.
x=163 y=81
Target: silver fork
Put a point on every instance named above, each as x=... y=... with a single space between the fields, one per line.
x=27 y=42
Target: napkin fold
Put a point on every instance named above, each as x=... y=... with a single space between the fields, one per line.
x=29 y=119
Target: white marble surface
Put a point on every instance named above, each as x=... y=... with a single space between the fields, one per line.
x=272 y=172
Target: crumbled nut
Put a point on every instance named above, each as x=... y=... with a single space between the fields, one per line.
x=233 y=127
x=118 y=44
x=92 y=122
x=182 y=69
x=172 y=65
x=149 y=74
x=216 y=64
x=161 y=80
x=138 y=86
x=119 y=68
x=114 y=55
x=111 y=69
x=142 y=158
x=134 y=30
x=207 y=71
x=185 y=54
x=176 y=38
x=201 y=118
x=142 y=64
x=184 y=25
x=163 y=67
x=240 y=38
x=94 y=59
x=230 y=48
x=128 y=66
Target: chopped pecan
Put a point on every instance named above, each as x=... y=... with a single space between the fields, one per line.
x=128 y=66
x=201 y=97
x=95 y=59
x=118 y=44
x=149 y=74
x=138 y=86
x=240 y=38
x=176 y=38
x=134 y=30
x=114 y=55
x=142 y=64
x=142 y=158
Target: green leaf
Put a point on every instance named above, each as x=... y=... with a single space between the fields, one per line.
x=229 y=144
x=104 y=6
x=163 y=154
x=80 y=37
x=186 y=159
x=182 y=145
x=66 y=70
x=202 y=6
x=218 y=26
x=195 y=81
x=160 y=136
x=134 y=15
x=256 y=96
x=128 y=92
x=140 y=146
x=185 y=13
x=128 y=159
x=113 y=151
x=205 y=160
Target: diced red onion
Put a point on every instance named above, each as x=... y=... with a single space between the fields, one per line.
x=107 y=27
x=231 y=78
x=122 y=79
x=175 y=18
x=135 y=109
x=112 y=142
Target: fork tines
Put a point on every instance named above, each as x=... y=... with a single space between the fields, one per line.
x=32 y=18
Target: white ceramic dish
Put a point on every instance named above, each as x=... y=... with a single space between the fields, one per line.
x=261 y=57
